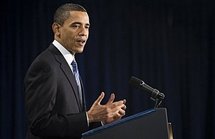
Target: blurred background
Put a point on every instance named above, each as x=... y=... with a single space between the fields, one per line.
x=169 y=44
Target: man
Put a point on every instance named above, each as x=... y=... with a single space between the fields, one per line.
x=54 y=93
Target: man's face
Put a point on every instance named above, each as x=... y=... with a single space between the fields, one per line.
x=73 y=34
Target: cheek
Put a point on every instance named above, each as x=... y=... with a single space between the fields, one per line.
x=68 y=37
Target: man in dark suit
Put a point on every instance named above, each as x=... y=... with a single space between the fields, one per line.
x=54 y=94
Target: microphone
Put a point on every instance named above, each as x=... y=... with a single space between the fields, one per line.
x=155 y=94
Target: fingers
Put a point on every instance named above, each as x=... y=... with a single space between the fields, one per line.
x=99 y=99
x=120 y=103
x=118 y=115
x=121 y=112
x=118 y=109
x=111 y=111
x=124 y=107
x=111 y=99
x=124 y=101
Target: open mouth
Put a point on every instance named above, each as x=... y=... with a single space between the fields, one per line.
x=81 y=41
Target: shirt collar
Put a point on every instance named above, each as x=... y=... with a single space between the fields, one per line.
x=66 y=54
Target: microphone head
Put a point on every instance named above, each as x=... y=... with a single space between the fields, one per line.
x=136 y=82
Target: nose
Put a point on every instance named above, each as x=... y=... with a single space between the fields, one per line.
x=83 y=31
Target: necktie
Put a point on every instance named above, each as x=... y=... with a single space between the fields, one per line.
x=77 y=78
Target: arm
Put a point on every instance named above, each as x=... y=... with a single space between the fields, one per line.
x=40 y=98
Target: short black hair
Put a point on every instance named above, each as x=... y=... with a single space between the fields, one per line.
x=63 y=12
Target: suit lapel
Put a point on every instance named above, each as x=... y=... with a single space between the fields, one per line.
x=67 y=72
x=83 y=95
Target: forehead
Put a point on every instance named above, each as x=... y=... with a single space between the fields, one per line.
x=78 y=16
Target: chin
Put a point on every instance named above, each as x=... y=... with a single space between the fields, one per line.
x=80 y=51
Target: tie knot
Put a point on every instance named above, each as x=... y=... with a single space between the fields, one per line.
x=74 y=66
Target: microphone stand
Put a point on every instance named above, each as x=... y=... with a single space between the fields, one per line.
x=157 y=97
x=157 y=102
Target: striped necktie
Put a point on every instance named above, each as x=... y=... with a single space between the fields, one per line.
x=77 y=78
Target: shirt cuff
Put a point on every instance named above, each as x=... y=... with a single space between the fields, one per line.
x=88 y=123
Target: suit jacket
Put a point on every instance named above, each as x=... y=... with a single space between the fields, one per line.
x=52 y=102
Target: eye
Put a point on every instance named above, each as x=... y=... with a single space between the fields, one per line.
x=75 y=26
x=87 y=27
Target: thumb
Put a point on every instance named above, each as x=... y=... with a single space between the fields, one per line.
x=99 y=99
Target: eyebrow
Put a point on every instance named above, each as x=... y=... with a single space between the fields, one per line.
x=88 y=24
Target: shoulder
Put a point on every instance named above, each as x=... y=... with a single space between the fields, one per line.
x=45 y=61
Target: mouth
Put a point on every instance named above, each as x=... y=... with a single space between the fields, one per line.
x=81 y=41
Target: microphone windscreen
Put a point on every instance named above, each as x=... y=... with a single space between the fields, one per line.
x=135 y=82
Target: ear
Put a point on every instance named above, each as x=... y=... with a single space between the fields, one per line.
x=56 y=29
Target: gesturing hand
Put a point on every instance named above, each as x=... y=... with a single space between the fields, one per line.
x=107 y=113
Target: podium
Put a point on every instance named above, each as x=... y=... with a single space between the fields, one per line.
x=150 y=124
